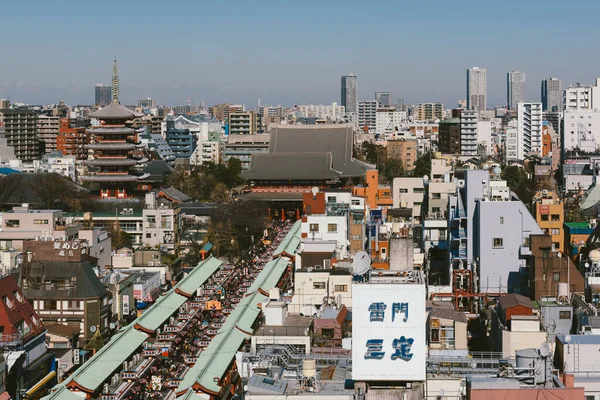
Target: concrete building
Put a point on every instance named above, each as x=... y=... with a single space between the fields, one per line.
x=468 y=132
x=529 y=129
x=146 y=103
x=578 y=355
x=48 y=130
x=389 y=120
x=403 y=150
x=315 y=287
x=489 y=230
x=222 y=111
x=549 y=213
x=349 y=99
x=581 y=130
x=409 y=193
x=549 y=269
x=243 y=123
x=450 y=136
x=511 y=141
x=429 y=111
x=367 y=115
x=181 y=141
x=161 y=223
x=103 y=95
x=477 y=89
x=72 y=138
x=581 y=97
x=332 y=112
x=21 y=130
x=515 y=89
x=384 y=98
x=57 y=297
x=243 y=146
x=446 y=329
x=552 y=95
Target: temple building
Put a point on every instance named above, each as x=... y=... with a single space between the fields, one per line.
x=115 y=149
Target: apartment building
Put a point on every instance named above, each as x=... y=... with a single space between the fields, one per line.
x=243 y=123
x=367 y=115
x=21 y=130
x=429 y=111
x=549 y=213
x=48 y=130
x=403 y=150
x=161 y=223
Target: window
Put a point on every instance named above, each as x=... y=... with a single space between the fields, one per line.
x=418 y=190
x=40 y=221
x=555 y=217
x=564 y=314
x=355 y=202
x=148 y=236
x=435 y=335
x=331 y=199
x=165 y=222
x=556 y=276
x=340 y=288
x=544 y=217
x=327 y=333
x=314 y=227
x=50 y=305
x=151 y=221
x=555 y=231
x=556 y=245
x=436 y=195
x=331 y=228
x=403 y=190
x=318 y=285
x=498 y=243
x=13 y=223
x=18 y=296
x=73 y=304
x=502 y=220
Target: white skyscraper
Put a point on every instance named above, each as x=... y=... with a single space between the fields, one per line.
x=367 y=115
x=515 y=89
x=477 y=89
x=529 y=129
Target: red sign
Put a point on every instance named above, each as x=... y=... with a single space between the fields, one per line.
x=544 y=209
x=137 y=294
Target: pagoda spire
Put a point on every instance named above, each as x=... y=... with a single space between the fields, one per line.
x=115 y=83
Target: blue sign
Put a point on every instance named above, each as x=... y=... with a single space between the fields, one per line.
x=402 y=346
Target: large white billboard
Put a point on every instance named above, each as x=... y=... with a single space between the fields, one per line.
x=388 y=332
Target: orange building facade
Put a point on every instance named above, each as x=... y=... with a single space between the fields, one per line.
x=71 y=140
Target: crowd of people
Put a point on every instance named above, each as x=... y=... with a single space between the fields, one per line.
x=201 y=324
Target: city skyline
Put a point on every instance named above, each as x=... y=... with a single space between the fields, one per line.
x=72 y=67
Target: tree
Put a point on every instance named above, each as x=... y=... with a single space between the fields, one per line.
x=220 y=194
x=119 y=238
x=10 y=186
x=234 y=165
x=393 y=169
x=53 y=191
x=423 y=165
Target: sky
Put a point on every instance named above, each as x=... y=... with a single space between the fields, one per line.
x=287 y=52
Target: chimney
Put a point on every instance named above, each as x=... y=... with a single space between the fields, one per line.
x=568 y=380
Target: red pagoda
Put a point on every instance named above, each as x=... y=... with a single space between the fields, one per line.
x=115 y=149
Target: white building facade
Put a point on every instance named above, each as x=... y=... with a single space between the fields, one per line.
x=529 y=129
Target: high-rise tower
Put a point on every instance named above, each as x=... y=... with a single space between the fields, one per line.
x=552 y=95
x=515 y=89
x=477 y=89
x=350 y=93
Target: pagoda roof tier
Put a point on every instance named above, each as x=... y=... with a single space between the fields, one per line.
x=115 y=111
x=112 y=178
x=114 y=131
x=111 y=146
x=120 y=162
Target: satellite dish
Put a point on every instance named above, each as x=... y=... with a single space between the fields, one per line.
x=425 y=180
x=544 y=350
x=361 y=263
x=314 y=191
x=568 y=339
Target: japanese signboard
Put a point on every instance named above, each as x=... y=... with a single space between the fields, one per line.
x=388 y=332
x=125 y=305
x=544 y=209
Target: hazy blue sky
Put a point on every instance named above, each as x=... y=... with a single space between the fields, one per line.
x=290 y=52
